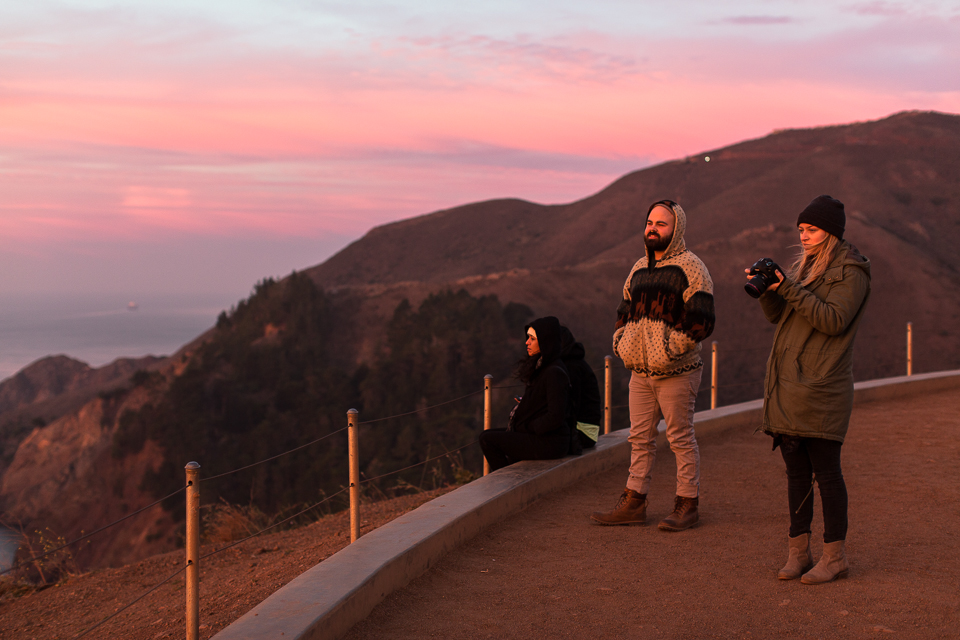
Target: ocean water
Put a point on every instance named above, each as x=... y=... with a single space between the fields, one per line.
x=9 y=543
x=99 y=328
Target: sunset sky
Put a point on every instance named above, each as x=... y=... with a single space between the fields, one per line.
x=198 y=146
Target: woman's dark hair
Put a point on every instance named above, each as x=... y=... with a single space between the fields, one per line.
x=527 y=367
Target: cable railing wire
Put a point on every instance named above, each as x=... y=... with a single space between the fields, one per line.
x=279 y=455
x=242 y=540
x=92 y=533
x=326 y=499
x=130 y=604
x=312 y=442
x=274 y=525
x=413 y=466
x=331 y=497
x=183 y=568
x=410 y=413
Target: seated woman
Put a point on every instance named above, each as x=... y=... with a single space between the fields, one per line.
x=541 y=427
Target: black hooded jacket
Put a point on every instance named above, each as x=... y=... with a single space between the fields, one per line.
x=585 y=402
x=545 y=407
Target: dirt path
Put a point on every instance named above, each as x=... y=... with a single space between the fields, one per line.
x=231 y=583
x=550 y=573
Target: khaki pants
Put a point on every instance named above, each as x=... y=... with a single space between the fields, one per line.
x=672 y=398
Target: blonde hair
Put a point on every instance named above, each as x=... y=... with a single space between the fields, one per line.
x=811 y=263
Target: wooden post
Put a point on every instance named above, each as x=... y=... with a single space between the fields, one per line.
x=354 y=453
x=713 y=378
x=487 y=417
x=192 y=544
x=607 y=394
x=909 y=348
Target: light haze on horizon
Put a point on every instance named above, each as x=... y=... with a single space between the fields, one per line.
x=163 y=147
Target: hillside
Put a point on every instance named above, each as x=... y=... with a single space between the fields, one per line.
x=899 y=177
x=52 y=387
x=285 y=365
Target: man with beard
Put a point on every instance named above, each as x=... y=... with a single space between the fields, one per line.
x=667 y=311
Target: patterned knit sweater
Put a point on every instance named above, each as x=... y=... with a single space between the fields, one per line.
x=667 y=310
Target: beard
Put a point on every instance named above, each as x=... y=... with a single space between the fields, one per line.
x=656 y=243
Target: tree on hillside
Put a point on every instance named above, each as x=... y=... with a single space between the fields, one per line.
x=265 y=384
x=439 y=352
x=261 y=386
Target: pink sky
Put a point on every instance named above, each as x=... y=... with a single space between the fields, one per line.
x=128 y=135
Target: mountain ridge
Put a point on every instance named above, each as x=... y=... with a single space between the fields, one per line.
x=899 y=177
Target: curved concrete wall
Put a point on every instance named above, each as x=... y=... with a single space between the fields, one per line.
x=327 y=600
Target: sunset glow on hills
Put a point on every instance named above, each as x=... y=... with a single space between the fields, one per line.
x=291 y=121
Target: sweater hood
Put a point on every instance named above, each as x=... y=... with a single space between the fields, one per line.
x=548 y=336
x=677 y=245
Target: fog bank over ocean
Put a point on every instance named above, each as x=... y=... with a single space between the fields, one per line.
x=99 y=328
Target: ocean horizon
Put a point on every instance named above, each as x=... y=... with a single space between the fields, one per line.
x=99 y=328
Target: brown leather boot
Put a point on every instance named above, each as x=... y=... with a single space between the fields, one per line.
x=832 y=565
x=630 y=509
x=799 y=561
x=684 y=516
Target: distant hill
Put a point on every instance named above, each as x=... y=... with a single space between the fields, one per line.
x=899 y=178
x=53 y=386
x=266 y=368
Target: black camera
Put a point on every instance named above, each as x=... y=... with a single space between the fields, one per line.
x=764 y=272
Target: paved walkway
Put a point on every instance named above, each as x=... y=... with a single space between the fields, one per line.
x=550 y=573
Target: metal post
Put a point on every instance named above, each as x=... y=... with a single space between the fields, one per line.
x=487 y=404
x=607 y=394
x=193 y=551
x=909 y=348
x=713 y=378
x=354 y=452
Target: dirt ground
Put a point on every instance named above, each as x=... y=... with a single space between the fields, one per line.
x=550 y=573
x=231 y=583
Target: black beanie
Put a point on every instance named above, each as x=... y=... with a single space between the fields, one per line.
x=825 y=213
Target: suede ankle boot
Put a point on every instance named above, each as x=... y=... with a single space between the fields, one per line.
x=799 y=561
x=832 y=565
x=684 y=516
x=630 y=509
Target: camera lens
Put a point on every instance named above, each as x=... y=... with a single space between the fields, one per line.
x=755 y=286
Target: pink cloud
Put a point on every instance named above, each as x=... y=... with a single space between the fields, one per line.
x=758 y=20
x=165 y=135
x=886 y=9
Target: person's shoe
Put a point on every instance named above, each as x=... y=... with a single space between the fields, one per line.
x=799 y=561
x=630 y=509
x=684 y=516
x=832 y=565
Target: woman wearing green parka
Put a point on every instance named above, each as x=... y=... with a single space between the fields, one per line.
x=808 y=392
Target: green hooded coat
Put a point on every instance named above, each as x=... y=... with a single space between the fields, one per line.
x=808 y=390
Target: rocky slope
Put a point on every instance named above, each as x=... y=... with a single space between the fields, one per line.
x=55 y=386
x=62 y=479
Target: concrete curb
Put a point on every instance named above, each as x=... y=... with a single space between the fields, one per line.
x=329 y=599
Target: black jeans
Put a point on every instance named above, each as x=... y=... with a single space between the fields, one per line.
x=501 y=447
x=806 y=457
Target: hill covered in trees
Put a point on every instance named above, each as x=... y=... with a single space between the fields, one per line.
x=265 y=383
x=416 y=312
